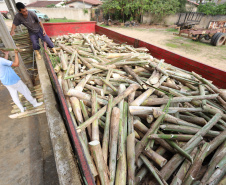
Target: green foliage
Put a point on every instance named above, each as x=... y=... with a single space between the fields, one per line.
x=85 y=11
x=134 y=9
x=50 y=6
x=62 y=20
x=162 y=8
x=212 y=9
x=182 y=6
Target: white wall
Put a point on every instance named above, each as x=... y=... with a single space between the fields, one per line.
x=3 y=6
x=172 y=19
x=79 y=5
x=69 y=13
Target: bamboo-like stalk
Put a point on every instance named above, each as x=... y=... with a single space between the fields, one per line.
x=216 y=142
x=71 y=61
x=82 y=83
x=159 y=101
x=192 y=119
x=63 y=60
x=135 y=76
x=142 y=144
x=140 y=126
x=202 y=92
x=125 y=121
x=140 y=99
x=140 y=175
x=142 y=110
x=89 y=158
x=98 y=90
x=97 y=155
x=194 y=169
x=84 y=61
x=109 y=85
x=121 y=174
x=121 y=165
x=115 y=116
x=154 y=78
x=187 y=130
x=11 y=49
x=180 y=150
x=107 y=79
x=95 y=127
x=153 y=170
x=91 y=71
x=90 y=44
x=106 y=129
x=176 y=160
x=78 y=114
x=215 y=89
x=158 y=159
x=84 y=96
x=130 y=117
x=131 y=158
x=178 y=137
x=171 y=85
x=220 y=154
x=143 y=171
x=86 y=117
x=116 y=100
x=178 y=178
x=219 y=172
x=214 y=111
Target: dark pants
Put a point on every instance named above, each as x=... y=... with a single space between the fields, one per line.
x=35 y=39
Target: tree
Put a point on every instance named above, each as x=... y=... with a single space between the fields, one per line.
x=135 y=9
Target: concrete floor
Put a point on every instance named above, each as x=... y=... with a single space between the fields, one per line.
x=26 y=155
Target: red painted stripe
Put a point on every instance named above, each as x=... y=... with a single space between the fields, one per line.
x=56 y=29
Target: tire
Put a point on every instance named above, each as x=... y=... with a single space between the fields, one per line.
x=220 y=39
x=214 y=38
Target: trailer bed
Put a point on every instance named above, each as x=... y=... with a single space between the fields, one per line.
x=55 y=29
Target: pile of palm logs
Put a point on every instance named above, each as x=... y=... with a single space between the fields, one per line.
x=139 y=119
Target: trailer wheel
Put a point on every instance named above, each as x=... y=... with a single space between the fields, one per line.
x=214 y=38
x=219 y=41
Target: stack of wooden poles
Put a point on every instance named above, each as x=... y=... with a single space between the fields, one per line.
x=23 y=41
x=36 y=92
x=139 y=119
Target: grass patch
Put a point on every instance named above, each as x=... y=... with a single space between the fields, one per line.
x=177 y=38
x=152 y=29
x=62 y=20
x=171 y=30
x=104 y=25
x=172 y=45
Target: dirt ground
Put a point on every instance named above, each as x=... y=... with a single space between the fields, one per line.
x=164 y=38
x=26 y=155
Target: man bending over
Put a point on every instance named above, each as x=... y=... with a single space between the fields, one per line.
x=35 y=27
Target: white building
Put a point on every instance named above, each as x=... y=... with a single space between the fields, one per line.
x=83 y=3
x=3 y=6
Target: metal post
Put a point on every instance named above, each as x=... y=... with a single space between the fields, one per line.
x=9 y=43
x=10 y=7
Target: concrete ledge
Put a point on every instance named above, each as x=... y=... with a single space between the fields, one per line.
x=67 y=170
